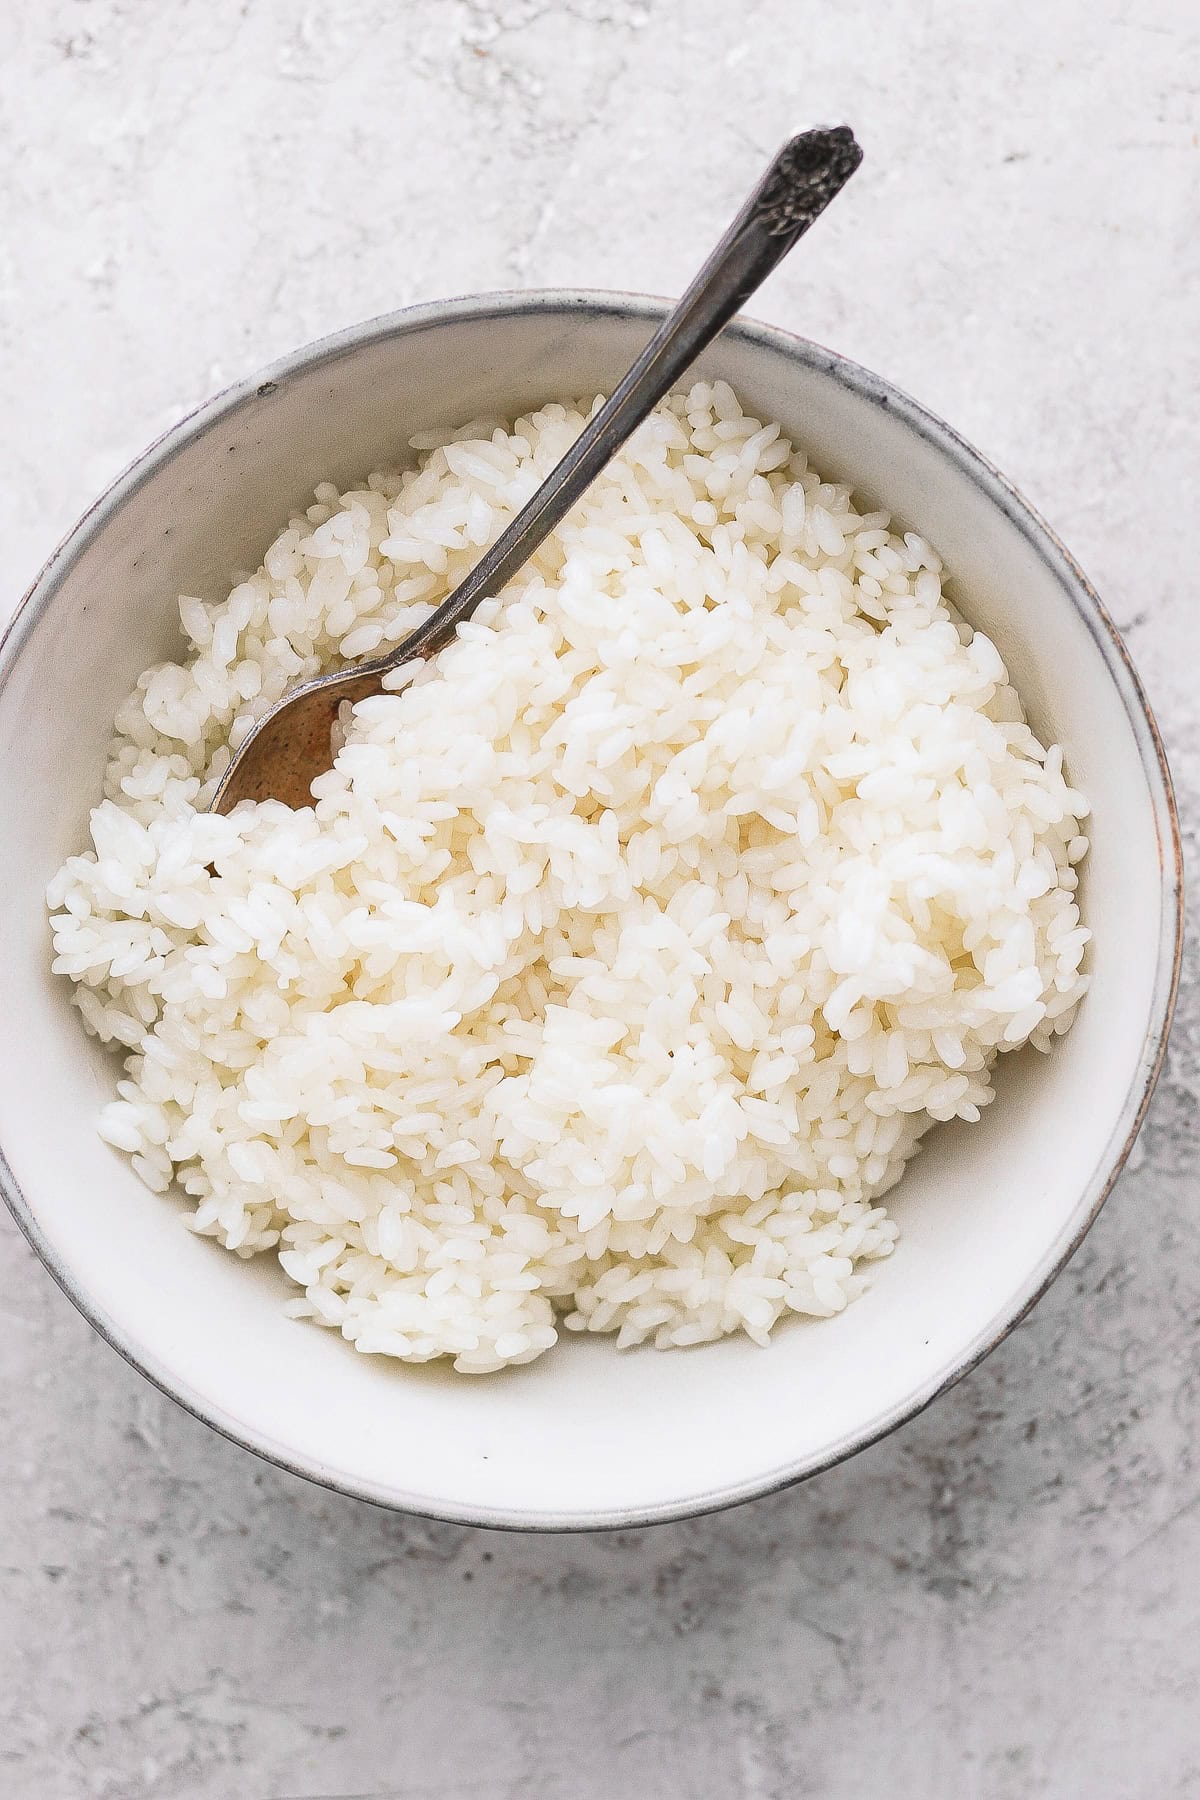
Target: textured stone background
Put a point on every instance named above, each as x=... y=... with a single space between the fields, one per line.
x=1001 y=1600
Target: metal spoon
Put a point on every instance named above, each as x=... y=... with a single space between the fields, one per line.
x=292 y=744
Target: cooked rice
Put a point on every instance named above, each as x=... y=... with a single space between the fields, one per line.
x=629 y=948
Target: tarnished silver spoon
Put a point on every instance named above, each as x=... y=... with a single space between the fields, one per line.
x=293 y=743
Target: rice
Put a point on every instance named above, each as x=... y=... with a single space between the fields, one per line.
x=629 y=948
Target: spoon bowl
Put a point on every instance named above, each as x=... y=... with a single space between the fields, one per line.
x=294 y=743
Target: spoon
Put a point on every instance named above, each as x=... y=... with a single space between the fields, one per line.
x=293 y=743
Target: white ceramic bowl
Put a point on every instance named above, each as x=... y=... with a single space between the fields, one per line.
x=585 y=1436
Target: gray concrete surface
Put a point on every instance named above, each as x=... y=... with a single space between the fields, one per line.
x=1000 y=1601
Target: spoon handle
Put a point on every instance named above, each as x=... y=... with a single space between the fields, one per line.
x=798 y=185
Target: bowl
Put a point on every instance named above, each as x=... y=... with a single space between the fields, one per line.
x=586 y=1436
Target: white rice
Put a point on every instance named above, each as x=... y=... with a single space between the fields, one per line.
x=628 y=951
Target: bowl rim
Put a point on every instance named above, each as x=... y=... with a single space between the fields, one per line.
x=996 y=488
